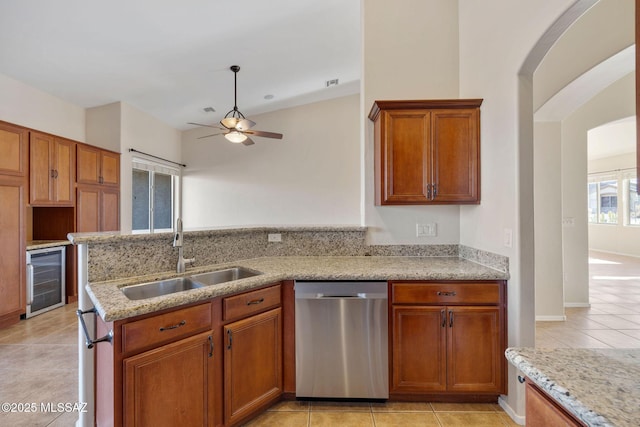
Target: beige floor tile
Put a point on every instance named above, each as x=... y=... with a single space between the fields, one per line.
x=401 y=407
x=466 y=407
x=291 y=405
x=471 y=419
x=615 y=339
x=633 y=333
x=280 y=419
x=340 y=406
x=614 y=322
x=506 y=419
x=413 y=419
x=346 y=419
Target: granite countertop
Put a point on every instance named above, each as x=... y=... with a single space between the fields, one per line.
x=113 y=305
x=42 y=244
x=598 y=386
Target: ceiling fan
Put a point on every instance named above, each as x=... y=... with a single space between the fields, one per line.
x=236 y=127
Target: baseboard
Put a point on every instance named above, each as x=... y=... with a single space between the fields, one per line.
x=577 y=305
x=551 y=318
x=518 y=419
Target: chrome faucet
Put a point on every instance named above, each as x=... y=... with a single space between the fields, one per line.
x=178 y=240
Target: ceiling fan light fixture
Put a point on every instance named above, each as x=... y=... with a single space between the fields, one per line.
x=235 y=137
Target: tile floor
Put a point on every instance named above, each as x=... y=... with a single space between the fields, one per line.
x=38 y=362
x=613 y=320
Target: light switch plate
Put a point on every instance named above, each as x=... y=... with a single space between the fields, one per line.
x=427 y=230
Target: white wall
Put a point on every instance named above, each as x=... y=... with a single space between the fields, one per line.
x=548 y=220
x=311 y=176
x=26 y=106
x=410 y=51
x=615 y=102
x=103 y=126
x=496 y=36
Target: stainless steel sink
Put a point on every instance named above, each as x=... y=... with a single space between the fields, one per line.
x=159 y=288
x=222 y=276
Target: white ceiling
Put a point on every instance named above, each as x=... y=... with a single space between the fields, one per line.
x=171 y=58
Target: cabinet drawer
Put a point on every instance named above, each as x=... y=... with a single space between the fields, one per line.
x=164 y=328
x=249 y=303
x=445 y=293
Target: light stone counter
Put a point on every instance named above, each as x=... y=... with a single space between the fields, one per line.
x=601 y=387
x=42 y=244
x=113 y=305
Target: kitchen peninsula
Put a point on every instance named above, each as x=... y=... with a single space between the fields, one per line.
x=425 y=282
x=593 y=387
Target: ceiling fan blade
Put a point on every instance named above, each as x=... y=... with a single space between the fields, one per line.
x=200 y=124
x=264 y=134
x=213 y=134
x=248 y=141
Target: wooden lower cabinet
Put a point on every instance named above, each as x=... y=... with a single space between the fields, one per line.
x=447 y=349
x=542 y=411
x=252 y=365
x=12 y=249
x=171 y=385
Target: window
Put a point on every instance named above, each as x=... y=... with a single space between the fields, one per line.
x=612 y=198
x=154 y=188
x=634 y=202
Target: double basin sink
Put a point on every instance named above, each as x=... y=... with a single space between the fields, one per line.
x=178 y=284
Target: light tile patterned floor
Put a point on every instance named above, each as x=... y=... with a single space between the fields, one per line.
x=38 y=362
x=613 y=320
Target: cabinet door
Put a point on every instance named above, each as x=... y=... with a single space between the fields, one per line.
x=41 y=172
x=419 y=349
x=171 y=385
x=404 y=156
x=252 y=364
x=88 y=165
x=109 y=168
x=475 y=356
x=14 y=149
x=88 y=209
x=456 y=156
x=541 y=411
x=109 y=209
x=12 y=248
x=64 y=166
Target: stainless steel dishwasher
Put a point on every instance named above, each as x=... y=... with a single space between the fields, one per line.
x=341 y=340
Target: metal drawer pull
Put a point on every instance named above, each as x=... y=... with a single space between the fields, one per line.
x=255 y=301
x=88 y=341
x=446 y=293
x=166 y=328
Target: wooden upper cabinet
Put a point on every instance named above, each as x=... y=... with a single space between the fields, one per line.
x=51 y=170
x=427 y=152
x=14 y=148
x=96 y=166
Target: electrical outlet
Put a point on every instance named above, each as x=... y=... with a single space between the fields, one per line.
x=427 y=230
x=568 y=221
x=274 y=237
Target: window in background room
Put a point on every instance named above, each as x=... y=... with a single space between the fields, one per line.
x=154 y=197
x=608 y=191
x=634 y=202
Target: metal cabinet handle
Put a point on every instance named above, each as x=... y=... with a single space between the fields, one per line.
x=53 y=173
x=166 y=328
x=521 y=379
x=88 y=341
x=255 y=301
x=230 y=337
x=435 y=191
x=428 y=191
x=210 y=346
x=29 y=284
x=446 y=293
x=451 y=318
x=443 y=317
